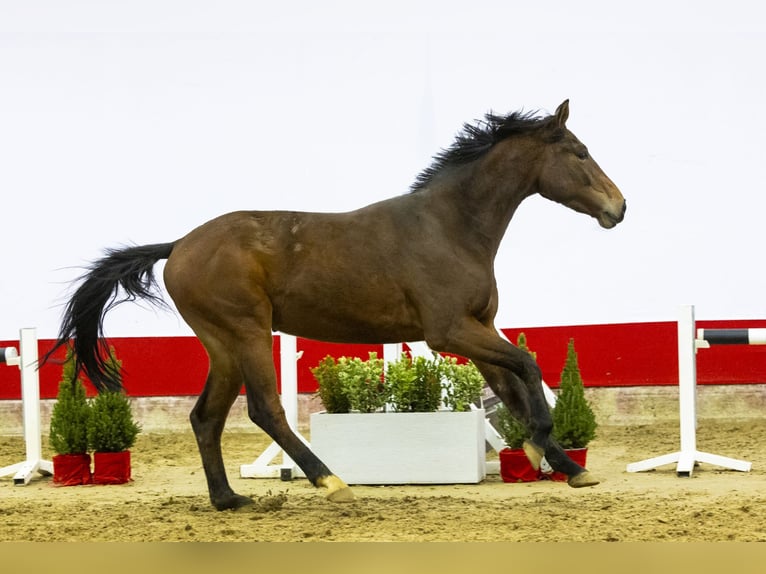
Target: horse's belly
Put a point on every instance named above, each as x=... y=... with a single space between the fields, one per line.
x=348 y=321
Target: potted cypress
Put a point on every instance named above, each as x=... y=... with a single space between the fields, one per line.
x=514 y=464
x=574 y=422
x=394 y=431
x=111 y=433
x=68 y=429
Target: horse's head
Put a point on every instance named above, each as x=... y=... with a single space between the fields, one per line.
x=570 y=176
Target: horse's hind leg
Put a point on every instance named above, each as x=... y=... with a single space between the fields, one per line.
x=208 y=418
x=265 y=410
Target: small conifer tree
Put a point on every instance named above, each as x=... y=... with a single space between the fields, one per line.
x=574 y=423
x=70 y=414
x=521 y=343
x=111 y=427
x=511 y=430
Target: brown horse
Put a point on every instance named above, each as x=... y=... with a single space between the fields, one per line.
x=415 y=267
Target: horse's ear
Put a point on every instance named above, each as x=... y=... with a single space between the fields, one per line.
x=562 y=114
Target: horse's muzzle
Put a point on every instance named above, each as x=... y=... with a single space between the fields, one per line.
x=608 y=219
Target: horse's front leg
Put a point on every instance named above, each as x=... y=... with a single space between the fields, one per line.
x=516 y=379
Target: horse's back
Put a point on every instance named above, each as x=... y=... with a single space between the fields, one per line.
x=317 y=275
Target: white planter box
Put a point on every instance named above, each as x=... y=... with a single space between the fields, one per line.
x=442 y=447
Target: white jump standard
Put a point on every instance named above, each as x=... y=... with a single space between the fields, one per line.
x=26 y=360
x=689 y=456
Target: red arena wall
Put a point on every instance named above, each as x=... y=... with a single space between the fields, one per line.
x=628 y=354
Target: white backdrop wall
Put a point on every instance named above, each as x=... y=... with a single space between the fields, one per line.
x=133 y=122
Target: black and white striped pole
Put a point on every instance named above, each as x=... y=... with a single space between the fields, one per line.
x=26 y=360
x=708 y=337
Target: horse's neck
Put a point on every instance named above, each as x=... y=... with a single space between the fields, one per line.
x=483 y=205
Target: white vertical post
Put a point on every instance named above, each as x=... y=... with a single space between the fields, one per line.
x=30 y=393
x=688 y=456
x=26 y=360
x=262 y=467
x=288 y=353
x=687 y=389
x=391 y=352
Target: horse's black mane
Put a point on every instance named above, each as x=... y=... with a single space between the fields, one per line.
x=474 y=140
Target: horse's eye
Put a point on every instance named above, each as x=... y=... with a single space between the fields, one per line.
x=582 y=154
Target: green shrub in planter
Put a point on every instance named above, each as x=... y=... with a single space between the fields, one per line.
x=463 y=385
x=111 y=427
x=574 y=423
x=70 y=414
x=331 y=391
x=414 y=384
x=363 y=383
x=69 y=429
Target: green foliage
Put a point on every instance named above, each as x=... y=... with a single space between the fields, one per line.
x=521 y=343
x=511 y=430
x=464 y=384
x=363 y=383
x=409 y=385
x=331 y=391
x=415 y=384
x=111 y=427
x=574 y=423
x=69 y=418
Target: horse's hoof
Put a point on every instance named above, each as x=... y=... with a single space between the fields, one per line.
x=585 y=478
x=342 y=495
x=233 y=502
x=534 y=454
x=337 y=490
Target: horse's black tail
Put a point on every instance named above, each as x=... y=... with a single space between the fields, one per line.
x=131 y=268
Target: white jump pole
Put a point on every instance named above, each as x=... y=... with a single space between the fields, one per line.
x=688 y=456
x=263 y=466
x=26 y=360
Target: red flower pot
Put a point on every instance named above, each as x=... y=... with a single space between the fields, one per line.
x=111 y=467
x=515 y=466
x=71 y=469
x=579 y=455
